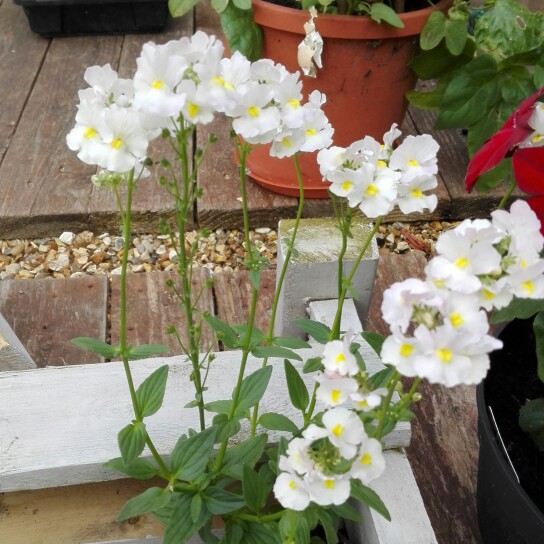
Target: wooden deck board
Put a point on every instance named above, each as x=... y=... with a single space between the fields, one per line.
x=152 y=307
x=46 y=314
x=444 y=449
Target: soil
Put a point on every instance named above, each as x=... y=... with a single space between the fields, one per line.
x=511 y=381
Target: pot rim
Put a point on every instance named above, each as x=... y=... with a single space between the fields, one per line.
x=342 y=26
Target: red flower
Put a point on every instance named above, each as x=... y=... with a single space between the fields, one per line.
x=528 y=163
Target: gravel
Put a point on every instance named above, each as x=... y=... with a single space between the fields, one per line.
x=85 y=253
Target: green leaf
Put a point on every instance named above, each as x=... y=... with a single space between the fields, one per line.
x=242 y=4
x=440 y=62
x=241 y=31
x=225 y=427
x=219 y=406
x=374 y=340
x=472 y=91
x=96 y=346
x=347 y=511
x=140 y=469
x=433 y=31
x=312 y=365
x=196 y=507
x=253 y=388
x=290 y=342
x=369 y=497
x=531 y=420
x=318 y=331
x=180 y=525
x=247 y=452
x=191 y=455
x=147 y=350
x=254 y=488
x=243 y=330
x=148 y=501
x=257 y=533
x=233 y=532
x=218 y=501
x=179 y=8
x=330 y=526
x=538 y=76
x=429 y=100
x=131 y=441
x=481 y=131
x=456 y=35
x=538 y=328
x=382 y=12
x=255 y=279
x=495 y=177
x=219 y=5
x=521 y=308
x=294 y=528
x=381 y=378
x=298 y=393
x=150 y=394
x=225 y=333
x=277 y=422
x=262 y=352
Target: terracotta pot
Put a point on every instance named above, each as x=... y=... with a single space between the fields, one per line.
x=364 y=76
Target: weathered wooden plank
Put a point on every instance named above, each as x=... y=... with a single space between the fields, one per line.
x=45 y=187
x=47 y=314
x=151 y=202
x=453 y=161
x=152 y=307
x=77 y=513
x=448 y=483
x=21 y=53
x=233 y=295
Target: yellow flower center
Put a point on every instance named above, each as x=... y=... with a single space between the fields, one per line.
x=192 y=109
x=292 y=484
x=456 y=319
x=372 y=190
x=335 y=395
x=413 y=162
x=253 y=111
x=416 y=193
x=337 y=430
x=221 y=82
x=406 y=350
x=363 y=403
x=523 y=263
x=537 y=138
x=366 y=459
x=528 y=287
x=381 y=164
x=294 y=103
x=461 y=262
x=157 y=84
x=329 y=484
x=340 y=358
x=444 y=355
x=440 y=283
x=117 y=143
x=488 y=295
x=311 y=132
x=286 y=142
x=347 y=185
x=90 y=133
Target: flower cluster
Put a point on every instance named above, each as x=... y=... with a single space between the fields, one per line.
x=522 y=138
x=319 y=466
x=439 y=325
x=376 y=177
x=188 y=81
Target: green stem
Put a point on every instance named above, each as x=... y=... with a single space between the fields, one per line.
x=123 y=346
x=283 y=272
x=184 y=204
x=508 y=194
x=386 y=403
x=335 y=331
x=243 y=150
x=407 y=398
x=345 y=224
x=260 y=519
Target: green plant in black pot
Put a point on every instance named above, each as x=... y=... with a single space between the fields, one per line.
x=484 y=61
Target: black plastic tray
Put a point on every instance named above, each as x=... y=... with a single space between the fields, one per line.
x=51 y=18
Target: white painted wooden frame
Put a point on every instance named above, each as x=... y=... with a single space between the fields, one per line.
x=59 y=425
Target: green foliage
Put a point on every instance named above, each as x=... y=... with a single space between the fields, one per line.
x=298 y=393
x=241 y=31
x=254 y=488
x=131 y=440
x=224 y=332
x=247 y=453
x=374 y=340
x=531 y=420
x=178 y=8
x=146 y=350
x=218 y=501
x=369 y=497
x=180 y=525
x=140 y=469
x=382 y=12
x=151 y=499
x=313 y=365
x=520 y=308
x=275 y=351
x=150 y=394
x=277 y=422
x=479 y=79
x=253 y=388
x=96 y=346
x=190 y=456
x=318 y=331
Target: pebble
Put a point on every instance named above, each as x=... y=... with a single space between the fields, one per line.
x=67 y=238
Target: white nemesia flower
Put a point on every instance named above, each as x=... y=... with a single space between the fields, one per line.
x=400 y=351
x=369 y=463
x=345 y=430
x=415 y=156
x=368 y=400
x=291 y=491
x=336 y=390
x=388 y=141
x=325 y=490
x=286 y=143
x=411 y=197
x=338 y=358
x=297 y=458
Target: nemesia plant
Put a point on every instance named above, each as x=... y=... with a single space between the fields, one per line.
x=334 y=449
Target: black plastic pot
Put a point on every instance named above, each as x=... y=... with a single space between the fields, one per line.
x=506 y=514
x=51 y=18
